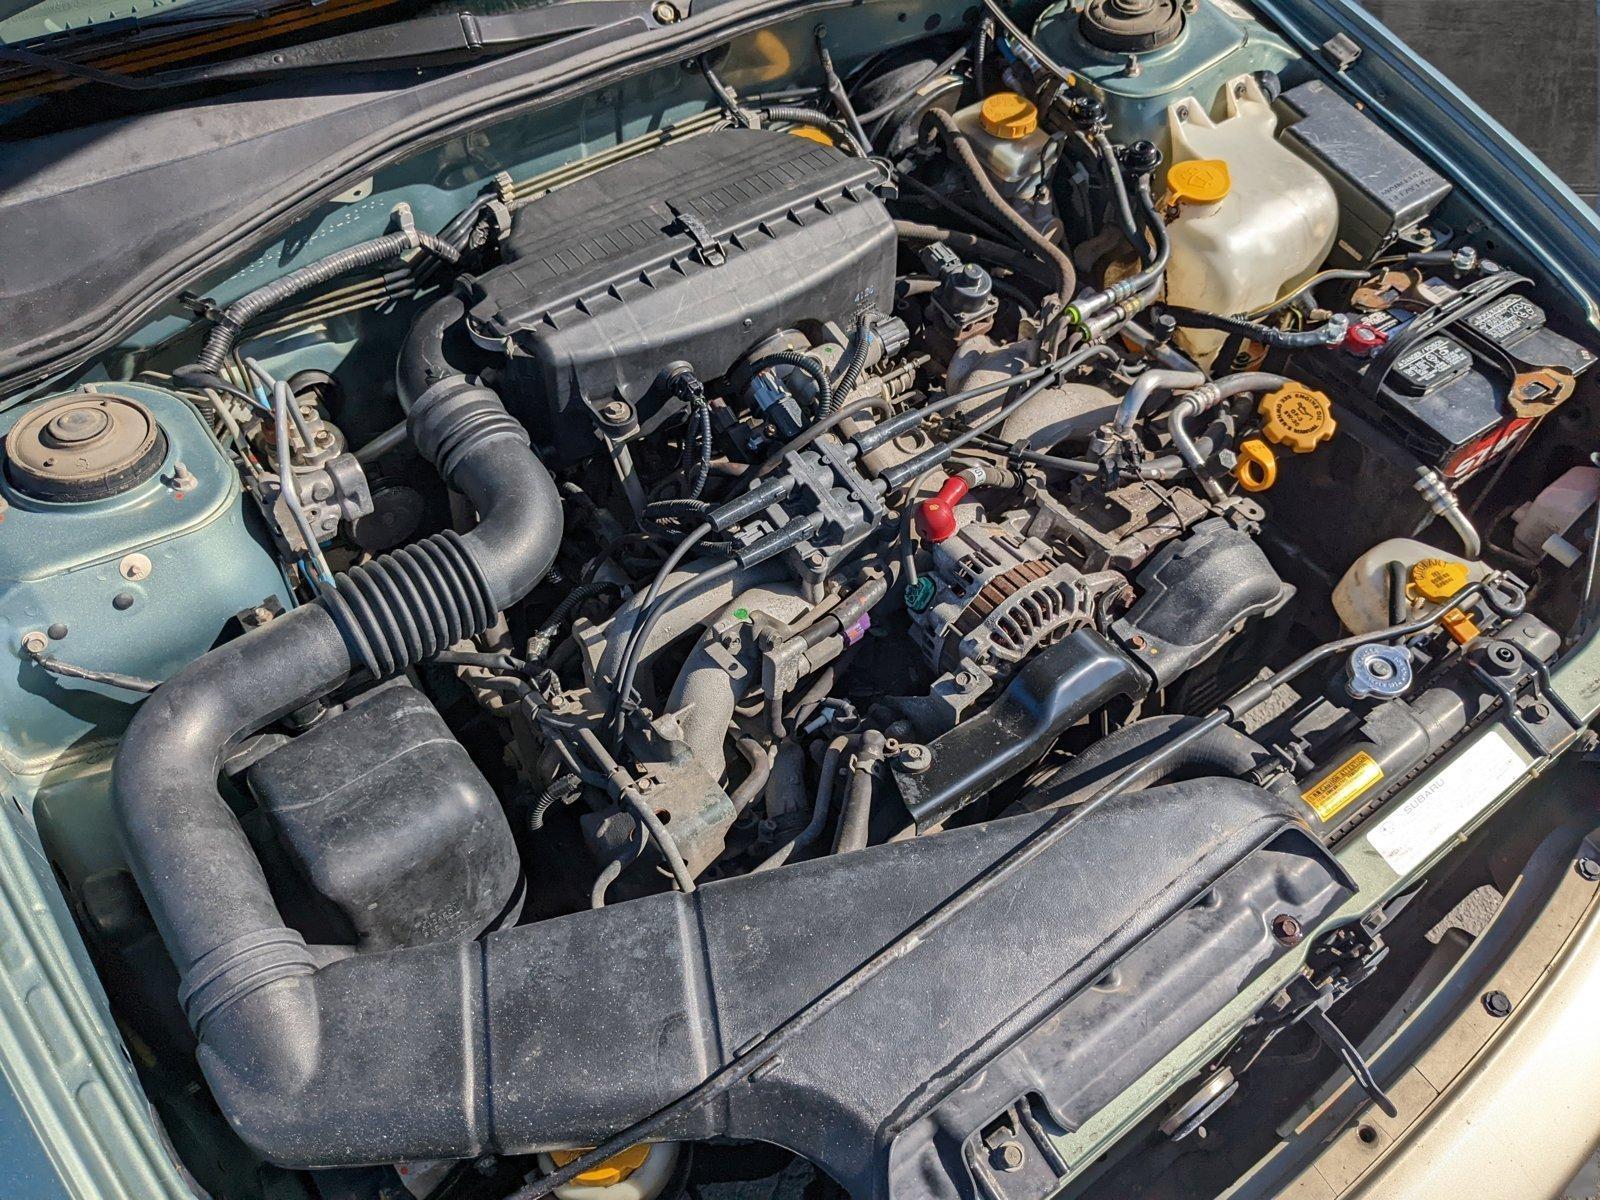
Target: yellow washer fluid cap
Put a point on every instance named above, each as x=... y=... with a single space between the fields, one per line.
x=1298 y=417
x=614 y=1170
x=1008 y=115
x=1437 y=579
x=1199 y=181
x=1257 y=468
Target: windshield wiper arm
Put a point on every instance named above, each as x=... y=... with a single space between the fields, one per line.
x=419 y=41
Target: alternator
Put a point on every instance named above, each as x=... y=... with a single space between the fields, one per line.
x=998 y=596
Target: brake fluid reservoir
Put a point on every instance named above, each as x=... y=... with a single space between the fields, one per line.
x=1427 y=574
x=1254 y=220
x=1003 y=128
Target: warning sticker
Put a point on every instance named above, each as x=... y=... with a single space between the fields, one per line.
x=1348 y=780
x=1444 y=805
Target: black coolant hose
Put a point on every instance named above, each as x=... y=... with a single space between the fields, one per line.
x=197 y=871
x=234 y=318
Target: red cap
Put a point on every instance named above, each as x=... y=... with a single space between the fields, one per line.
x=936 y=516
x=1364 y=340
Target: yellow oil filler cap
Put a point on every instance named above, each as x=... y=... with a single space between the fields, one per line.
x=811 y=134
x=1257 y=468
x=1198 y=181
x=1008 y=115
x=1298 y=417
x=1437 y=579
x=613 y=1171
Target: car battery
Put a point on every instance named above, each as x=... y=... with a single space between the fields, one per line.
x=1458 y=377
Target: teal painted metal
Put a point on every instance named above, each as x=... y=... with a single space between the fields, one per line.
x=59 y=566
x=1219 y=42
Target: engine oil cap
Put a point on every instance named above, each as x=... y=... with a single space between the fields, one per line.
x=1008 y=115
x=1199 y=181
x=1298 y=417
x=1437 y=579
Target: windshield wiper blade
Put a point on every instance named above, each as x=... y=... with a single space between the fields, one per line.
x=437 y=40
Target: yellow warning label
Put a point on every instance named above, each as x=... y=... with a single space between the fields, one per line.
x=1347 y=781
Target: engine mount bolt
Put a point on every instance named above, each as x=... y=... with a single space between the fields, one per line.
x=1497 y=1004
x=1286 y=929
x=1589 y=869
x=1009 y=1156
x=616 y=412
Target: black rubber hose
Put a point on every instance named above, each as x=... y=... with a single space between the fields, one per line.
x=1399 y=606
x=1121 y=204
x=436 y=349
x=197 y=871
x=1048 y=252
x=234 y=318
x=970 y=244
x=855 y=819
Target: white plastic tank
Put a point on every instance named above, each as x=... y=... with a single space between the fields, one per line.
x=1003 y=129
x=1254 y=219
x=1361 y=597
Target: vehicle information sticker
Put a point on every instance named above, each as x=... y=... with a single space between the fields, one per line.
x=1447 y=802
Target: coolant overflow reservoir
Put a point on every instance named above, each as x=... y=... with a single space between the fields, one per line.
x=1253 y=219
x=1427 y=576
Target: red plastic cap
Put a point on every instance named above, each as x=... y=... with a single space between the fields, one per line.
x=1363 y=340
x=936 y=516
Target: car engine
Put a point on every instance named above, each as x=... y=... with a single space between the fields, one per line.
x=575 y=644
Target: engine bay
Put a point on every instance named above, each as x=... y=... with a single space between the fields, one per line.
x=583 y=676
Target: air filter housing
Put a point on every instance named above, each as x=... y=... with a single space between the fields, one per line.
x=694 y=252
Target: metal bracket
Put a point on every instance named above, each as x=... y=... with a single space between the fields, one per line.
x=1541 y=720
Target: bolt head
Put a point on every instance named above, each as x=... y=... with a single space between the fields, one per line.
x=1497 y=1004
x=1009 y=1156
x=1589 y=869
x=134 y=567
x=1286 y=929
x=664 y=12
